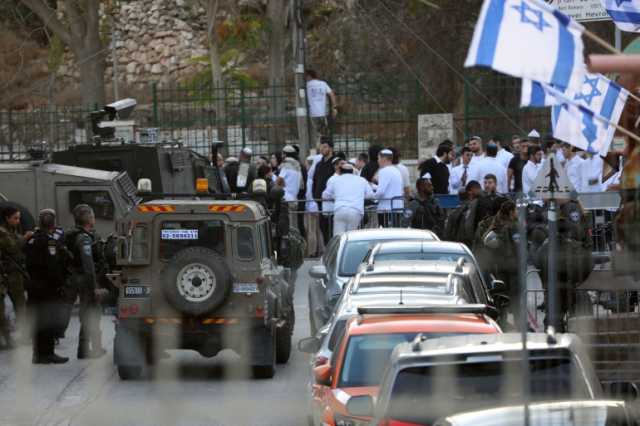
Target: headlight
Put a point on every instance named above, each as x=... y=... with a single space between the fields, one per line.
x=348 y=421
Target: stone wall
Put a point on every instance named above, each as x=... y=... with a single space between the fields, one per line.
x=157 y=40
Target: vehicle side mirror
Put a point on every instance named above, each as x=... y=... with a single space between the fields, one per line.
x=360 y=406
x=322 y=374
x=318 y=271
x=627 y=391
x=497 y=287
x=309 y=345
x=501 y=300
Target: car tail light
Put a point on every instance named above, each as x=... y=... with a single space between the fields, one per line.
x=321 y=360
x=260 y=280
x=259 y=312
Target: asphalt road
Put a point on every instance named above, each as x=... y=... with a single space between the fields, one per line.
x=186 y=389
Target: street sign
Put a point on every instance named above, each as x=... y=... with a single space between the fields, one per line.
x=582 y=10
x=552 y=178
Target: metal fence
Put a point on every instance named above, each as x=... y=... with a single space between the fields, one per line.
x=371 y=111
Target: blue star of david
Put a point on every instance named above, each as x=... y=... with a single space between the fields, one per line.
x=537 y=20
x=593 y=93
x=619 y=2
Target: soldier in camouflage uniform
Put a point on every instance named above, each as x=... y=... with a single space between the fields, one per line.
x=12 y=270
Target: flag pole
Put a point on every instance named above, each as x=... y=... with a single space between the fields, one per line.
x=627 y=132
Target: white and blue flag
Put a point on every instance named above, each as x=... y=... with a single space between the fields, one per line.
x=534 y=95
x=587 y=119
x=625 y=14
x=529 y=39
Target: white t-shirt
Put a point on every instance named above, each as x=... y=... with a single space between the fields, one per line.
x=574 y=172
x=348 y=192
x=504 y=157
x=292 y=180
x=404 y=171
x=491 y=165
x=389 y=189
x=592 y=175
x=317 y=91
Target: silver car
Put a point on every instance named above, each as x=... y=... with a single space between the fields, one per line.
x=340 y=261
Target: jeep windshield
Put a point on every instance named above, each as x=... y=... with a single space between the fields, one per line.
x=421 y=395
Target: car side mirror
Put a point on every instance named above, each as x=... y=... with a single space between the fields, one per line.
x=318 y=271
x=309 y=345
x=627 y=391
x=360 y=406
x=497 y=287
x=322 y=374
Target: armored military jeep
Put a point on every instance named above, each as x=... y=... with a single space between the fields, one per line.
x=200 y=274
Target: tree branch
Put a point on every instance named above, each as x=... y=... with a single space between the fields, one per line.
x=48 y=16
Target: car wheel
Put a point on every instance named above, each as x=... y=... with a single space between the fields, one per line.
x=264 y=357
x=127 y=372
x=196 y=281
x=283 y=343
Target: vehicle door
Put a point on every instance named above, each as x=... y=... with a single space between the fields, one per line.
x=318 y=287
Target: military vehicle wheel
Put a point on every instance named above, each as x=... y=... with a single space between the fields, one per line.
x=127 y=372
x=196 y=280
x=264 y=344
x=283 y=343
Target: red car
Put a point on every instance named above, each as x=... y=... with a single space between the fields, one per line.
x=360 y=358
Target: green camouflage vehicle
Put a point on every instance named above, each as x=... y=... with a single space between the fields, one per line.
x=200 y=274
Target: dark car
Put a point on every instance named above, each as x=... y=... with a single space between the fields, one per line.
x=341 y=260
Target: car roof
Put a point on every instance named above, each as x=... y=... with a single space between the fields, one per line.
x=473 y=344
x=429 y=267
x=409 y=298
x=512 y=415
x=423 y=246
x=416 y=323
x=389 y=234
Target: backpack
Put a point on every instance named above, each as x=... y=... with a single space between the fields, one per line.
x=296 y=250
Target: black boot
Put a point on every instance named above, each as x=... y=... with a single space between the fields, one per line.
x=83 y=349
x=49 y=359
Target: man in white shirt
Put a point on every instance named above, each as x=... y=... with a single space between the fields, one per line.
x=490 y=165
x=592 y=169
x=404 y=172
x=317 y=92
x=463 y=173
x=573 y=166
x=348 y=191
x=532 y=168
x=503 y=156
x=291 y=174
x=389 y=192
x=475 y=145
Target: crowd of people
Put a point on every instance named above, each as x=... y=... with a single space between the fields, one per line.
x=44 y=272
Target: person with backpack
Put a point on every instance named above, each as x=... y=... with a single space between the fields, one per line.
x=460 y=224
x=500 y=240
x=574 y=261
x=424 y=211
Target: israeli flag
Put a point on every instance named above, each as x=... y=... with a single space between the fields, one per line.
x=586 y=119
x=534 y=95
x=528 y=39
x=625 y=14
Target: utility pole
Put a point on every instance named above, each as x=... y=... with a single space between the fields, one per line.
x=302 y=114
x=114 y=59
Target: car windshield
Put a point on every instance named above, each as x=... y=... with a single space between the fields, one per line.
x=420 y=395
x=354 y=253
x=367 y=355
x=398 y=255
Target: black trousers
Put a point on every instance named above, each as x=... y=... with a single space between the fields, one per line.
x=45 y=325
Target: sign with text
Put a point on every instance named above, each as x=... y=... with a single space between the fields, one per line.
x=582 y=10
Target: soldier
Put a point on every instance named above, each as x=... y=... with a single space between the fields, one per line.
x=46 y=258
x=80 y=241
x=574 y=260
x=13 y=273
x=424 y=210
x=502 y=252
x=241 y=174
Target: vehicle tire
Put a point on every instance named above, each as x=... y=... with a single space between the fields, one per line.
x=267 y=368
x=196 y=281
x=283 y=343
x=127 y=372
x=27 y=222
